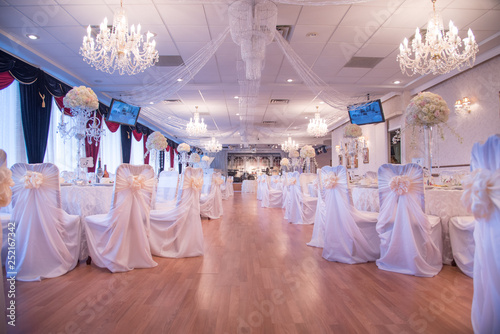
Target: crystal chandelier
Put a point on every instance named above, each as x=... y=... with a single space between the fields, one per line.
x=117 y=49
x=289 y=145
x=213 y=146
x=195 y=127
x=317 y=127
x=439 y=53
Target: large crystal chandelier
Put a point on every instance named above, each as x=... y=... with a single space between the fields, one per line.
x=213 y=146
x=195 y=127
x=317 y=127
x=117 y=49
x=439 y=53
x=289 y=145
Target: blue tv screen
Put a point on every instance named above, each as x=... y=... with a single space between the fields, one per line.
x=366 y=113
x=123 y=113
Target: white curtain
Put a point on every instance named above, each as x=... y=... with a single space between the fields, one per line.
x=60 y=152
x=11 y=127
x=111 y=150
x=137 y=152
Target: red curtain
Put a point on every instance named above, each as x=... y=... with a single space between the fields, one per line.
x=137 y=135
x=92 y=150
x=112 y=126
x=5 y=80
x=60 y=104
x=146 y=158
x=172 y=154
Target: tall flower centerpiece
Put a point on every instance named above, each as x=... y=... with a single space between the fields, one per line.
x=285 y=163
x=156 y=142
x=183 y=150
x=83 y=103
x=353 y=143
x=294 y=155
x=427 y=110
x=194 y=158
x=205 y=161
x=307 y=152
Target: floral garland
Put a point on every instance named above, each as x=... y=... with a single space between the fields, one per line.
x=183 y=148
x=156 y=141
x=195 y=158
x=293 y=154
x=285 y=162
x=307 y=152
x=81 y=97
x=5 y=183
x=352 y=131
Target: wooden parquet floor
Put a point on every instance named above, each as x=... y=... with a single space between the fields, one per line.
x=257 y=276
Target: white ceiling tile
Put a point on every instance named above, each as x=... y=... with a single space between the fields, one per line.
x=322 y=32
x=21 y=33
x=10 y=17
x=352 y=71
x=353 y=35
x=376 y=50
x=216 y=14
x=340 y=50
x=182 y=14
x=48 y=16
x=408 y=17
x=68 y=34
x=30 y=2
x=393 y=36
x=477 y=4
x=426 y=5
x=90 y=14
x=366 y=17
x=288 y=14
x=462 y=19
x=143 y=14
x=322 y=15
x=189 y=33
x=489 y=21
x=187 y=50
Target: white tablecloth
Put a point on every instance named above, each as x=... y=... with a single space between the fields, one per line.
x=86 y=201
x=249 y=186
x=438 y=202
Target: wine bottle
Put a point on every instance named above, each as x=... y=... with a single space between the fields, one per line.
x=106 y=174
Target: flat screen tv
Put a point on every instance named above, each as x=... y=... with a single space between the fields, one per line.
x=366 y=113
x=123 y=113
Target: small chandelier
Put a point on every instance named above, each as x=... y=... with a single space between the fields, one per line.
x=117 y=49
x=317 y=127
x=213 y=146
x=289 y=145
x=195 y=127
x=439 y=53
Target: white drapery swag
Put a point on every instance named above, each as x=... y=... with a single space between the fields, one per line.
x=119 y=240
x=350 y=235
x=292 y=211
x=225 y=192
x=410 y=240
x=211 y=204
x=272 y=196
x=308 y=200
x=47 y=238
x=166 y=192
x=318 y=235
x=178 y=232
x=482 y=195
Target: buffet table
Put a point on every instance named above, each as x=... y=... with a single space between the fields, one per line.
x=249 y=186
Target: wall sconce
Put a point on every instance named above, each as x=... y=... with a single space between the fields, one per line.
x=463 y=105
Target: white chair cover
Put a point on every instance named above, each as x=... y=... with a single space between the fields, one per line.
x=275 y=182
x=211 y=204
x=47 y=238
x=119 y=240
x=166 y=192
x=482 y=197
x=309 y=202
x=284 y=181
x=350 y=235
x=462 y=242
x=318 y=235
x=410 y=240
x=207 y=182
x=229 y=185
x=271 y=197
x=293 y=211
x=177 y=232
x=224 y=188
x=261 y=181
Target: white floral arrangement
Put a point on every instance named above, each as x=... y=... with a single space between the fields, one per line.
x=427 y=109
x=285 y=162
x=293 y=154
x=352 y=131
x=195 y=158
x=81 y=97
x=400 y=184
x=5 y=183
x=205 y=158
x=307 y=152
x=156 y=141
x=183 y=148
x=330 y=181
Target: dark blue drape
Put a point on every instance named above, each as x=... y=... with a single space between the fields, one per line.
x=126 y=134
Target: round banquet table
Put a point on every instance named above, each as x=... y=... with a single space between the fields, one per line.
x=442 y=202
x=249 y=186
x=86 y=201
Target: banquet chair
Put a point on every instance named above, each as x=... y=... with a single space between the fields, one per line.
x=318 y=235
x=271 y=197
x=371 y=175
x=308 y=200
x=177 y=232
x=207 y=182
x=350 y=235
x=284 y=182
x=166 y=191
x=261 y=180
x=229 y=184
x=293 y=210
x=211 y=204
x=482 y=197
x=462 y=242
x=275 y=182
x=47 y=238
x=224 y=189
x=410 y=240
x=119 y=240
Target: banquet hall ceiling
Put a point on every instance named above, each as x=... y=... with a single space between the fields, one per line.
x=325 y=37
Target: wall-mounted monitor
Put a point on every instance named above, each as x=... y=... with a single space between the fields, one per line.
x=366 y=113
x=123 y=113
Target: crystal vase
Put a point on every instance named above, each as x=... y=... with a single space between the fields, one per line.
x=184 y=160
x=428 y=148
x=308 y=165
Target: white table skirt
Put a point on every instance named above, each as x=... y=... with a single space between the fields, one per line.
x=438 y=202
x=249 y=186
x=86 y=201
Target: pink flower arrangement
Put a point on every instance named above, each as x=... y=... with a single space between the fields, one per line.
x=427 y=109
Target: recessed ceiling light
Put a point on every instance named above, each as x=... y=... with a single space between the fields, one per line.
x=237 y=114
x=180 y=79
x=305 y=117
x=32 y=36
x=236 y=97
x=312 y=34
x=322 y=102
x=289 y=80
x=396 y=82
x=169 y=117
x=151 y=102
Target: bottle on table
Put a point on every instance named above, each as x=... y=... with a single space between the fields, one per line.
x=100 y=172
x=106 y=174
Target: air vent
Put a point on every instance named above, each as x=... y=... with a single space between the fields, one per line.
x=268 y=122
x=279 y=101
x=363 y=62
x=285 y=31
x=170 y=61
x=171 y=101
